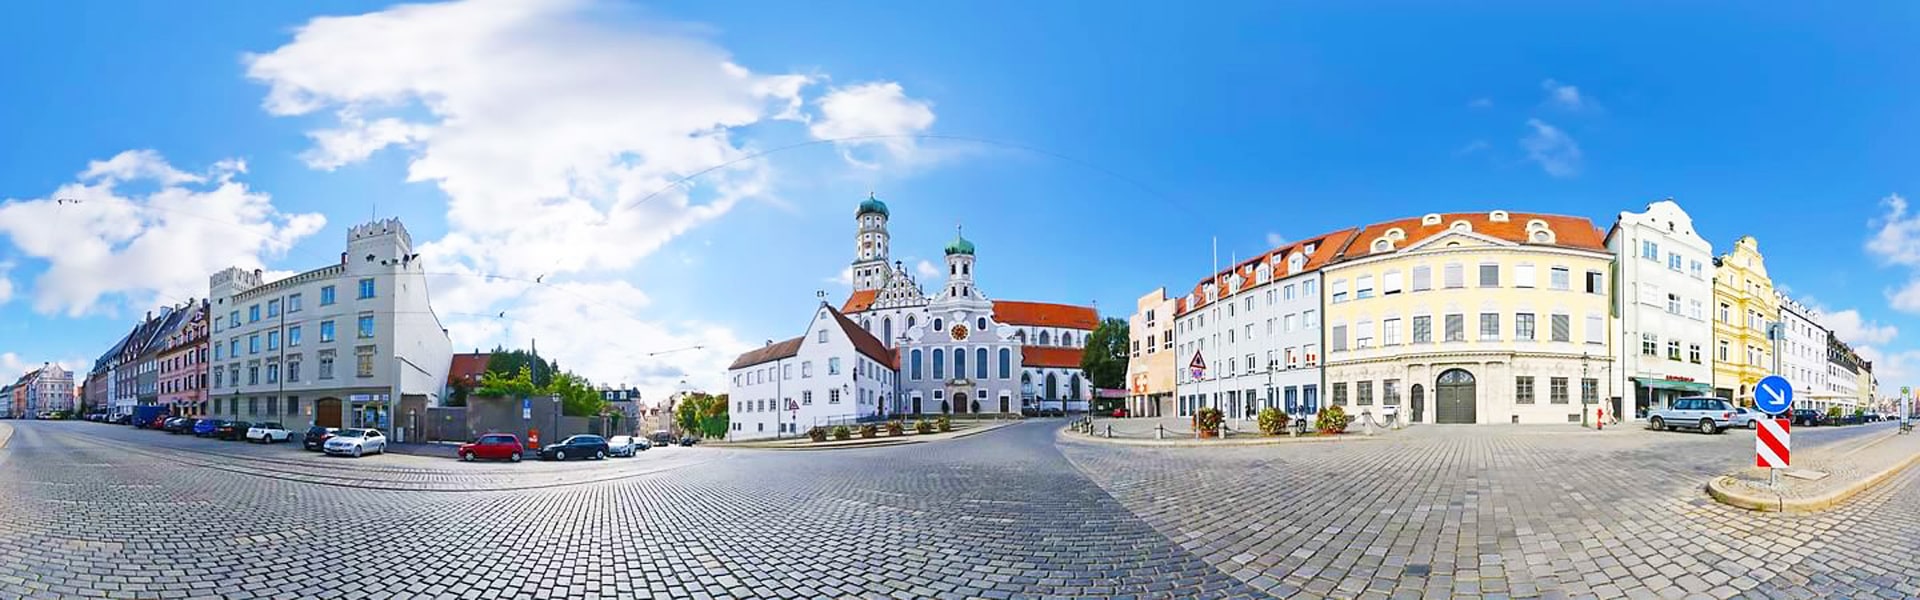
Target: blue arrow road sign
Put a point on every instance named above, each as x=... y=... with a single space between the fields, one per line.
x=1773 y=395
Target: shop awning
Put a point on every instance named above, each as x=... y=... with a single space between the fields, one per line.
x=1680 y=386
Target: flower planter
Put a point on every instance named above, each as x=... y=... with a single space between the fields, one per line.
x=1207 y=434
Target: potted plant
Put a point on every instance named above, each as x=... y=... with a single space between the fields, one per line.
x=1331 y=420
x=1207 y=421
x=943 y=423
x=869 y=430
x=817 y=434
x=840 y=432
x=922 y=426
x=895 y=428
x=1273 y=421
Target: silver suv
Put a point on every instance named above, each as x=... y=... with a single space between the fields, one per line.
x=1707 y=413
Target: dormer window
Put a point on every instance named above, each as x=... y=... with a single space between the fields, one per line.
x=1430 y=220
x=1383 y=245
x=1498 y=216
x=1461 y=226
x=1396 y=234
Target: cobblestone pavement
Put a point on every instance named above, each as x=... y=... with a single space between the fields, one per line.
x=1512 y=512
x=91 y=510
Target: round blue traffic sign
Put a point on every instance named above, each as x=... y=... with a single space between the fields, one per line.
x=1773 y=395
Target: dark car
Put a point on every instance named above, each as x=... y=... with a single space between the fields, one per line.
x=123 y=420
x=689 y=440
x=179 y=425
x=315 y=438
x=232 y=430
x=1807 y=417
x=579 y=446
x=662 y=438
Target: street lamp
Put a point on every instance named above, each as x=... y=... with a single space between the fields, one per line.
x=1584 y=357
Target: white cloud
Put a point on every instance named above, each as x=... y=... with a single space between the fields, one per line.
x=926 y=269
x=157 y=244
x=1556 y=152
x=1481 y=102
x=1897 y=238
x=872 y=109
x=1472 y=147
x=12 y=366
x=1892 y=368
x=6 y=282
x=552 y=128
x=1564 y=95
x=844 y=278
x=1275 y=240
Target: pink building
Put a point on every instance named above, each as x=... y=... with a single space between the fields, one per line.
x=183 y=365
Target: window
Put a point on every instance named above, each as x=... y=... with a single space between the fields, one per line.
x=939 y=364
x=363 y=366
x=1562 y=328
x=1724 y=351
x=1363 y=393
x=1313 y=354
x=326 y=364
x=1673 y=304
x=1523 y=389
x=1726 y=313
x=293 y=303
x=366 y=325
x=1310 y=288
x=833 y=396
x=293 y=370
x=1286 y=293
x=1489 y=327
x=253 y=374
x=1006 y=362
x=273 y=340
x=1693 y=353
x=217 y=377
x=1339 y=394
x=1673 y=261
x=1339 y=291
x=1390 y=332
x=1390 y=392
x=366 y=288
x=1696 y=309
x=253 y=313
x=326 y=331
x=253 y=344
x=1454 y=275
x=806 y=369
x=273 y=373
x=1364 y=335
x=293 y=336
x=326 y=296
x=216 y=351
x=1523 y=276
x=1338 y=338
x=1489 y=275
x=1523 y=326
x=1560 y=278
x=1595 y=285
x=1694 y=267
x=1673 y=349
x=806 y=398
x=1456 y=327
x=1649 y=250
x=1589 y=390
x=1557 y=390
x=833 y=365
x=233 y=319
x=1422 y=329
x=273 y=308
x=979 y=363
x=1310 y=319
x=1363 y=287
x=1649 y=344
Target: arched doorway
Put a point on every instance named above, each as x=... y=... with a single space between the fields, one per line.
x=1454 y=400
x=1419 y=403
x=327 y=412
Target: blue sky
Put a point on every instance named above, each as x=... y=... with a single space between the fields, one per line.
x=1123 y=140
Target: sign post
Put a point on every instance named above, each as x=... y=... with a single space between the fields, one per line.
x=1771 y=443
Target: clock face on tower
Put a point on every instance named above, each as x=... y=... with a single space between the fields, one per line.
x=959 y=333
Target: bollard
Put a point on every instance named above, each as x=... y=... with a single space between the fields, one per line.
x=1159 y=432
x=1109 y=431
x=1367 y=415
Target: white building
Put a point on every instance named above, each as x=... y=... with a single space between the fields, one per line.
x=1660 y=308
x=333 y=346
x=1843 y=377
x=1260 y=344
x=834 y=374
x=1803 y=354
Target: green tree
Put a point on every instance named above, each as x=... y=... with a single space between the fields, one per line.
x=578 y=398
x=518 y=385
x=702 y=413
x=1105 y=359
x=508 y=362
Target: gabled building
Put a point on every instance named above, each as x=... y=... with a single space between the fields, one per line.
x=834 y=374
x=1745 y=309
x=1151 y=360
x=1662 y=288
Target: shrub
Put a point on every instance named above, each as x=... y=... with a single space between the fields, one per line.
x=1273 y=421
x=1332 y=419
x=869 y=430
x=1208 y=419
x=922 y=426
x=1833 y=412
x=895 y=428
x=840 y=432
x=818 y=434
x=943 y=423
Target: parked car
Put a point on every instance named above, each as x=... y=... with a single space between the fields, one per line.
x=689 y=440
x=1874 y=417
x=232 y=431
x=179 y=425
x=267 y=433
x=579 y=446
x=1744 y=417
x=123 y=420
x=355 y=442
x=622 y=445
x=206 y=427
x=662 y=438
x=493 y=446
x=1807 y=417
x=1119 y=413
x=1707 y=413
x=316 y=437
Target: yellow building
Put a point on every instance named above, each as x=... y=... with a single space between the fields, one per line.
x=1491 y=317
x=1151 y=362
x=1744 y=307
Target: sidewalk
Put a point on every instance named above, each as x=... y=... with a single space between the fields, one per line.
x=960 y=429
x=1821 y=477
x=1178 y=432
x=6 y=435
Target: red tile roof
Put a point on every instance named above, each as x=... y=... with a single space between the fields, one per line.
x=860 y=301
x=1569 y=232
x=768 y=353
x=468 y=367
x=1043 y=356
x=865 y=342
x=1043 y=314
x=1326 y=247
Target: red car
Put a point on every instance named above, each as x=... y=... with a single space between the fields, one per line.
x=493 y=446
x=1119 y=412
x=159 y=421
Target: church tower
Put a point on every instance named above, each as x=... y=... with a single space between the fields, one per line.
x=960 y=269
x=870 y=245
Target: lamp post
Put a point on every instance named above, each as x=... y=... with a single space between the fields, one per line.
x=1584 y=357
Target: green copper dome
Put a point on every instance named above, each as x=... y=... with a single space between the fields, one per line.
x=960 y=245
x=872 y=205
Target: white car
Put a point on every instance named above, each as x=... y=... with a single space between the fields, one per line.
x=355 y=442
x=622 y=445
x=268 y=433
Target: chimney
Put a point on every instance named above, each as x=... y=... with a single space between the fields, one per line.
x=343 y=258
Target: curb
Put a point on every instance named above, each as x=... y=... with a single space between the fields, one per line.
x=1064 y=434
x=1721 y=489
x=877 y=443
x=6 y=435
